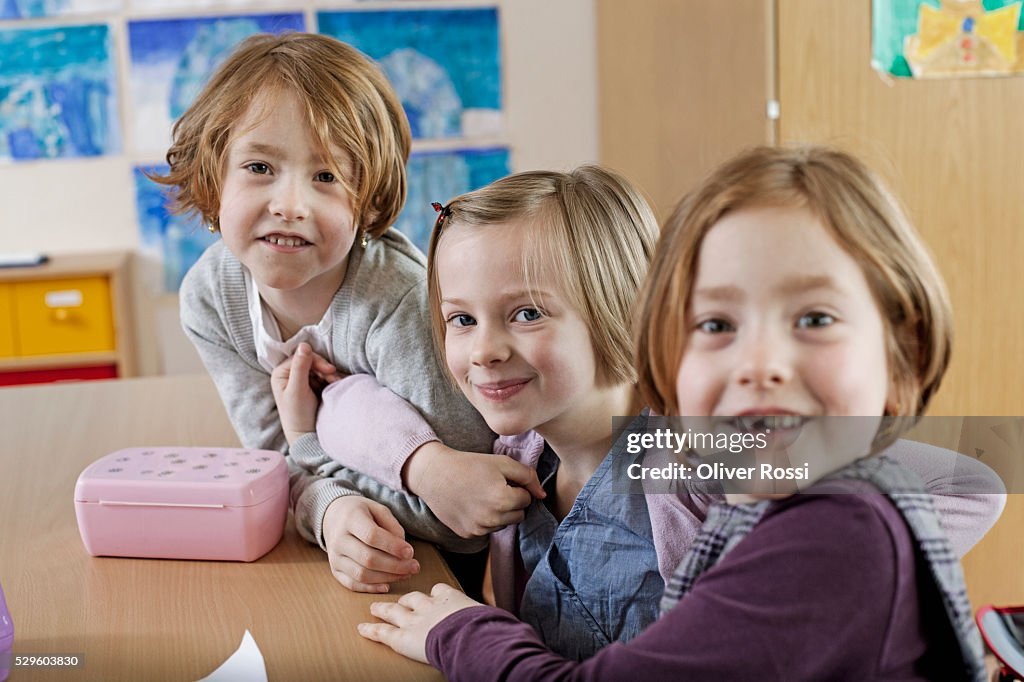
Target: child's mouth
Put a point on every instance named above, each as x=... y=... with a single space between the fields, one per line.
x=502 y=391
x=286 y=242
x=769 y=423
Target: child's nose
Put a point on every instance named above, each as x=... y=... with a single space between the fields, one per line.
x=490 y=346
x=764 y=364
x=289 y=201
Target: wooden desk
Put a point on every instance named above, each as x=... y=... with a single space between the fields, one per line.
x=137 y=619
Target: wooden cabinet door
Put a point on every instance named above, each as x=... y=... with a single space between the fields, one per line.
x=683 y=86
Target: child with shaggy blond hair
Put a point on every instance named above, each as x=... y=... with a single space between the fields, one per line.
x=295 y=154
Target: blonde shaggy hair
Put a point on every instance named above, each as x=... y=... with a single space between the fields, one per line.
x=349 y=104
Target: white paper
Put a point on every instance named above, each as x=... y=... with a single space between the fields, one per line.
x=245 y=665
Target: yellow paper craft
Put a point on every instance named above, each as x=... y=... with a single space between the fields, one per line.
x=935 y=27
x=1000 y=28
x=960 y=38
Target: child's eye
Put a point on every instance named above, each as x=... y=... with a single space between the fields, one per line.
x=461 y=320
x=715 y=325
x=814 y=320
x=258 y=168
x=528 y=315
x=325 y=176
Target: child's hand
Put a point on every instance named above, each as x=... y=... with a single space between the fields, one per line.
x=322 y=372
x=471 y=493
x=366 y=545
x=407 y=622
x=293 y=382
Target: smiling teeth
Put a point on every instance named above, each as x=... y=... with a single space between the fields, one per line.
x=780 y=421
x=285 y=241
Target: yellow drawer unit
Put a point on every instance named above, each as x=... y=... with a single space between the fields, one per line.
x=66 y=320
x=6 y=321
x=63 y=316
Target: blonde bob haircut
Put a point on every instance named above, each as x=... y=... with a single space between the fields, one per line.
x=862 y=215
x=590 y=229
x=349 y=104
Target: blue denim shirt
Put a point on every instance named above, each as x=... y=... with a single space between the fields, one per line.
x=593 y=577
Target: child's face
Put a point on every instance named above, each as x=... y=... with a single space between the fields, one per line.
x=283 y=214
x=782 y=321
x=524 y=362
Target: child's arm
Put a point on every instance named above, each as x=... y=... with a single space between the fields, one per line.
x=370 y=429
x=365 y=545
x=968 y=495
x=400 y=356
x=468 y=492
x=474 y=494
x=770 y=610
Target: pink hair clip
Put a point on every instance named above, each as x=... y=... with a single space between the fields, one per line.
x=442 y=213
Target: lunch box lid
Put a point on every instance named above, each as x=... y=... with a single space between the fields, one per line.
x=186 y=476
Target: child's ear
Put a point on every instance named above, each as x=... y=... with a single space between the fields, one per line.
x=892 y=400
x=898 y=400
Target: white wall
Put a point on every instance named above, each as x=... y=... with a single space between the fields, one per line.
x=550 y=96
x=550 y=52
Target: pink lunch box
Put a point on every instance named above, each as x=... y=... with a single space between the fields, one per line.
x=226 y=504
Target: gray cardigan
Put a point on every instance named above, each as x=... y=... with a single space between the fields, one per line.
x=381 y=328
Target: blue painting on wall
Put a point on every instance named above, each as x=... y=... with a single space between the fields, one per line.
x=444 y=64
x=171 y=60
x=174 y=240
x=24 y=9
x=58 y=93
x=441 y=176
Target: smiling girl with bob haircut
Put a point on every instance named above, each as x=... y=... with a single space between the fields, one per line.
x=788 y=283
x=532 y=280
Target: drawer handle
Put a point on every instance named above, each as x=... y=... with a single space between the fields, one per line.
x=65 y=298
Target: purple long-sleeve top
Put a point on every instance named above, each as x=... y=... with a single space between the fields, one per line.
x=824 y=587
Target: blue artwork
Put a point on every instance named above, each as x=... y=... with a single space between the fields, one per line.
x=58 y=93
x=441 y=176
x=171 y=60
x=24 y=9
x=444 y=64
x=175 y=240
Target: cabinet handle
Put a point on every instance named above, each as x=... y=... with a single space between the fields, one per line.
x=64 y=298
x=60 y=314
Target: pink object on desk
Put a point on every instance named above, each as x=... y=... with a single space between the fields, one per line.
x=6 y=638
x=226 y=504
